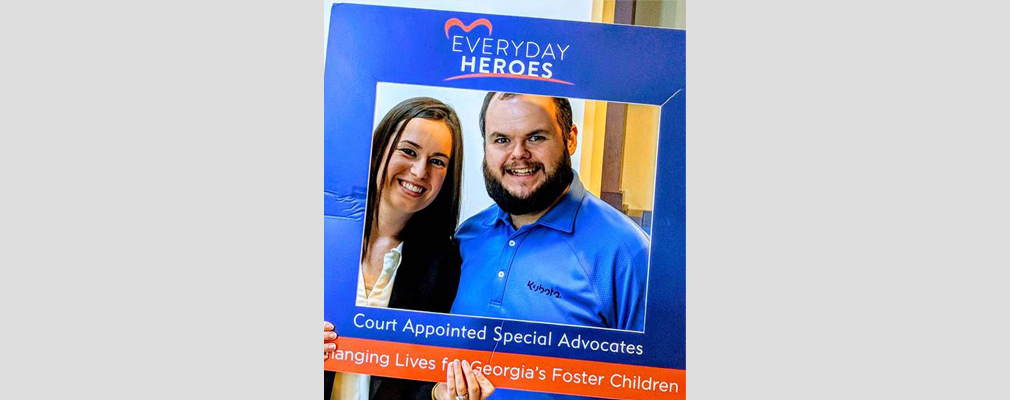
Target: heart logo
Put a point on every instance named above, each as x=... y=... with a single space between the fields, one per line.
x=466 y=28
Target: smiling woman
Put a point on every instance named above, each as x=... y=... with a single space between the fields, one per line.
x=397 y=155
x=408 y=257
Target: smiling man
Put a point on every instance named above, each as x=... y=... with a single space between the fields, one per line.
x=547 y=250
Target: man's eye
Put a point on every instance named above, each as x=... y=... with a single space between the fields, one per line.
x=438 y=162
x=408 y=152
x=537 y=138
x=501 y=140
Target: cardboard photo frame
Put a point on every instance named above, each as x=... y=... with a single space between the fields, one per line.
x=371 y=45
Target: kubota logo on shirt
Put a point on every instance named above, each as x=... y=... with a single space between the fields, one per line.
x=536 y=287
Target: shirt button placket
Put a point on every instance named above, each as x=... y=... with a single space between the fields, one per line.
x=512 y=243
x=506 y=265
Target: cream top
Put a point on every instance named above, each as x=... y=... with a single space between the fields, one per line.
x=348 y=386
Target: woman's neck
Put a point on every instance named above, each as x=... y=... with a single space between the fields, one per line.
x=388 y=224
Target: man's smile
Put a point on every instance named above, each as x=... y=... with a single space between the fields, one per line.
x=523 y=171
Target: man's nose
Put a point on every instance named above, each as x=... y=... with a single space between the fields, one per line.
x=519 y=151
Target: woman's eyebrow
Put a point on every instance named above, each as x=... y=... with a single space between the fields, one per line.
x=415 y=145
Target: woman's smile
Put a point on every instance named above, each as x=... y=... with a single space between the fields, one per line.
x=411 y=189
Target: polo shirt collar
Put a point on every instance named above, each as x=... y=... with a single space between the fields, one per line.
x=560 y=217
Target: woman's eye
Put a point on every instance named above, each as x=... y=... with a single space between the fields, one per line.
x=409 y=152
x=438 y=162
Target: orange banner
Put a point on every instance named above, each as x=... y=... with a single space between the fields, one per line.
x=508 y=370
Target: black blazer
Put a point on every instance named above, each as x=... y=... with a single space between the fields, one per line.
x=425 y=281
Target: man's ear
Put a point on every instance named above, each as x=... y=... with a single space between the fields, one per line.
x=573 y=140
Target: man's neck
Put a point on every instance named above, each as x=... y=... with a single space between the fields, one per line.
x=519 y=221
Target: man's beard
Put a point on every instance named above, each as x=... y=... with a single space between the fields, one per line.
x=539 y=199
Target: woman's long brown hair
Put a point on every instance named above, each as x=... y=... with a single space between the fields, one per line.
x=438 y=220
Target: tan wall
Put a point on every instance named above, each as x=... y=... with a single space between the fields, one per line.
x=591 y=136
x=665 y=13
x=638 y=171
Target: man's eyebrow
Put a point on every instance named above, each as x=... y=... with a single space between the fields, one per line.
x=538 y=132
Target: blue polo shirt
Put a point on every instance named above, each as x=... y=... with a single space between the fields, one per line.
x=582 y=263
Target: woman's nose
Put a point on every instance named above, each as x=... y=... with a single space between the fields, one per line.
x=419 y=168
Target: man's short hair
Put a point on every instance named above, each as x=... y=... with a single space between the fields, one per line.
x=564 y=112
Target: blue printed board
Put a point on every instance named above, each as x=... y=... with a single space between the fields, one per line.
x=369 y=45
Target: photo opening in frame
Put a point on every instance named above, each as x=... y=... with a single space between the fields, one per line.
x=583 y=262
